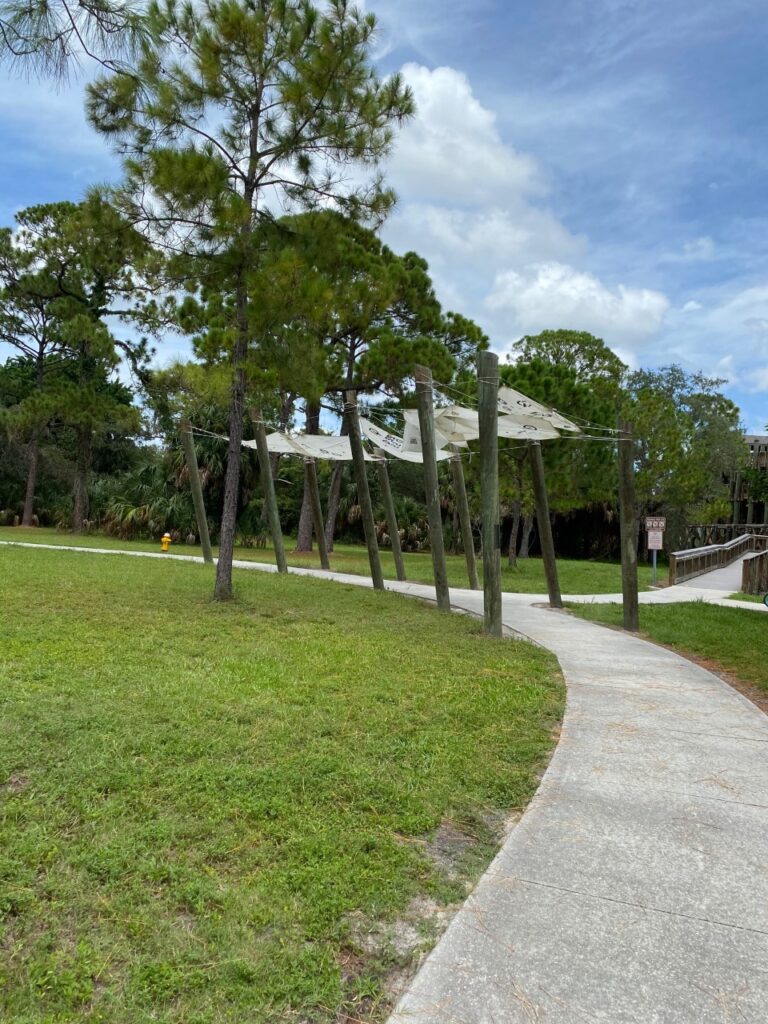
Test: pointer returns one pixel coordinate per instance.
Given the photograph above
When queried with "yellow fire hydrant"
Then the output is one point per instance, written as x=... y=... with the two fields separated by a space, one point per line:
x=165 y=541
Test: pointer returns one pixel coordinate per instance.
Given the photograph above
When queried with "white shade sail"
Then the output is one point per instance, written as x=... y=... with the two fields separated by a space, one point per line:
x=310 y=446
x=394 y=445
x=515 y=403
x=457 y=422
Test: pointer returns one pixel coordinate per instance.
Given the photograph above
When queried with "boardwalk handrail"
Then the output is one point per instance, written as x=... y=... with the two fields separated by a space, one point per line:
x=705 y=534
x=754 y=573
x=685 y=565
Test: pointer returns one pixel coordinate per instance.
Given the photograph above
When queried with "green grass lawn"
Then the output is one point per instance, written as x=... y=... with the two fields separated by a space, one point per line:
x=751 y=598
x=576 y=577
x=735 y=640
x=223 y=814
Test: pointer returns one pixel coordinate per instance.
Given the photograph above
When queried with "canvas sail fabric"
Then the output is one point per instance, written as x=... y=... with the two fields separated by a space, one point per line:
x=444 y=433
x=515 y=403
x=310 y=446
x=394 y=445
x=457 y=422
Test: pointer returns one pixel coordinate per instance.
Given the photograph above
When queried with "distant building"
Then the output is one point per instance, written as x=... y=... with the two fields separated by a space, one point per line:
x=748 y=508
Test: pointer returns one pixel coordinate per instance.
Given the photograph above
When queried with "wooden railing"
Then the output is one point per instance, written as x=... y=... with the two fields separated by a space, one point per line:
x=754 y=574
x=706 y=534
x=685 y=565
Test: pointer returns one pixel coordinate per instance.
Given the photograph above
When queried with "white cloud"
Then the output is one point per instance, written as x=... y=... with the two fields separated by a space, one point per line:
x=552 y=295
x=699 y=249
x=482 y=239
x=691 y=307
x=475 y=207
x=452 y=151
x=695 y=250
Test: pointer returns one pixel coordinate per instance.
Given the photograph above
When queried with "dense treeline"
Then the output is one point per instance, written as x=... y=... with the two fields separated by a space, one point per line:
x=253 y=137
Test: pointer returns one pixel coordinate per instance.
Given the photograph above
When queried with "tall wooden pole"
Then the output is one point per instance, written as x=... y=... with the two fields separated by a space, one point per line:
x=313 y=486
x=193 y=471
x=465 y=520
x=545 y=525
x=737 y=499
x=389 y=508
x=431 y=487
x=363 y=493
x=268 y=490
x=488 y=412
x=628 y=513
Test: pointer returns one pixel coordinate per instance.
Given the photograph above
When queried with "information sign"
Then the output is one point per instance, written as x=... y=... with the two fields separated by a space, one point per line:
x=655 y=540
x=655 y=523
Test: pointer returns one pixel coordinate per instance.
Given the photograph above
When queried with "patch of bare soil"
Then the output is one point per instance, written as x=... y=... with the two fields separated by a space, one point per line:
x=15 y=783
x=399 y=948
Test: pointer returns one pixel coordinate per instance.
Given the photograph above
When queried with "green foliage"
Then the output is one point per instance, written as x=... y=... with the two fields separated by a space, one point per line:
x=757 y=483
x=688 y=443
x=52 y=37
x=579 y=471
x=588 y=357
x=233 y=109
x=378 y=316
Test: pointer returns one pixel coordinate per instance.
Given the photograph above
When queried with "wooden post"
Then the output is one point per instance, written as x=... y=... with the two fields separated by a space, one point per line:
x=196 y=487
x=465 y=520
x=488 y=411
x=363 y=493
x=737 y=499
x=628 y=533
x=268 y=489
x=545 y=525
x=389 y=508
x=431 y=488
x=310 y=475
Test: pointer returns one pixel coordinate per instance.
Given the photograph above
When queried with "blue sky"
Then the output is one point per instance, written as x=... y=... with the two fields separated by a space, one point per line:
x=595 y=164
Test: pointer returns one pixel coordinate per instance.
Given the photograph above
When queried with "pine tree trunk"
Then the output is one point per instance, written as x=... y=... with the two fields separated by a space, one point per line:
x=286 y=411
x=33 y=458
x=33 y=450
x=304 y=535
x=222 y=590
x=525 y=543
x=80 y=489
x=334 y=492
x=334 y=497
x=512 y=550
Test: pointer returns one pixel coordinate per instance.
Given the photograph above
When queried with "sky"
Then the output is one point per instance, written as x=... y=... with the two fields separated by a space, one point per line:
x=598 y=165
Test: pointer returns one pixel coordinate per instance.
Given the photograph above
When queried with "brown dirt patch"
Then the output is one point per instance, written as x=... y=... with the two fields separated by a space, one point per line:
x=15 y=783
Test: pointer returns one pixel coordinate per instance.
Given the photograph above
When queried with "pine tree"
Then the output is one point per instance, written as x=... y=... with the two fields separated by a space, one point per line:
x=66 y=269
x=52 y=36
x=28 y=324
x=236 y=108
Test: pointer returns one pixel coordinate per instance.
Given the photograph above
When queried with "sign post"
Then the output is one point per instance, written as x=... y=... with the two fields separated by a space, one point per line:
x=655 y=527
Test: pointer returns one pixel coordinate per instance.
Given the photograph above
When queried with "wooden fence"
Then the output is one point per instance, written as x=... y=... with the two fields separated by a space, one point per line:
x=706 y=534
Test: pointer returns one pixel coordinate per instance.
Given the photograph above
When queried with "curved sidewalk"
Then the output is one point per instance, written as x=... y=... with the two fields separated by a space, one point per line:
x=635 y=888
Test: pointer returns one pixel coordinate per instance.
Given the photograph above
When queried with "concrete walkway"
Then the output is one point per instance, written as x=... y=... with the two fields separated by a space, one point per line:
x=635 y=887
x=727 y=579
